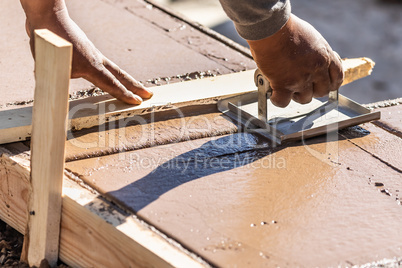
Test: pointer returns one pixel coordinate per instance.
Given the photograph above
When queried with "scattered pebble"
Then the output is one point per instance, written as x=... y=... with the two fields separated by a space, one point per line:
x=158 y=81
x=386 y=191
x=395 y=262
x=11 y=246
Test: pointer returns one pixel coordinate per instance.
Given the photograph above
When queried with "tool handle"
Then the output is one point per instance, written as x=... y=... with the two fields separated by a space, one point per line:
x=264 y=92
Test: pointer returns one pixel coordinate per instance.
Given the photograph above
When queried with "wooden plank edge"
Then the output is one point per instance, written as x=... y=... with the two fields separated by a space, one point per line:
x=94 y=232
x=136 y=243
x=15 y=189
x=356 y=68
x=93 y=111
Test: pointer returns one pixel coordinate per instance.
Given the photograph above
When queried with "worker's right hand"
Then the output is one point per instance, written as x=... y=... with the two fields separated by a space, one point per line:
x=88 y=62
x=298 y=62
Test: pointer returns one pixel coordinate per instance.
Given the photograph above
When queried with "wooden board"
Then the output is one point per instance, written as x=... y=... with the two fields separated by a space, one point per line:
x=52 y=74
x=15 y=188
x=94 y=232
x=15 y=125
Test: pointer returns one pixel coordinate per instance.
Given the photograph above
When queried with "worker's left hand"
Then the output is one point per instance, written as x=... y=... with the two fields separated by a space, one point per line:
x=88 y=61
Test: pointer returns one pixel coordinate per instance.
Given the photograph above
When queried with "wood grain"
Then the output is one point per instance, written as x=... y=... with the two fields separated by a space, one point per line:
x=14 y=190
x=53 y=57
x=356 y=68
x=94 y=232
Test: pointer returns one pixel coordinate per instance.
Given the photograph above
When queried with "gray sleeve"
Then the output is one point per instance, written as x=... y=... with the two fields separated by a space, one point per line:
x=257 y=19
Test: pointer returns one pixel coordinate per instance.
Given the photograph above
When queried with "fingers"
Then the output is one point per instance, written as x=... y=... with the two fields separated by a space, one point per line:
x=336 y=72
x=108 y=82
x=118 y=83
x=322 y=84
x=330 y=78
x=281 y=96
x=305 y=96
x=128 y=81
x=325 y=79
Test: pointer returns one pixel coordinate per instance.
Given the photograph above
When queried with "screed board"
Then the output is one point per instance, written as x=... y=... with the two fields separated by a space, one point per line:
x=15 y=125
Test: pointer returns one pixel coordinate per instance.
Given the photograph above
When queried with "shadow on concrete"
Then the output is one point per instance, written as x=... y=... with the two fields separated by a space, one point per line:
x=213 y=157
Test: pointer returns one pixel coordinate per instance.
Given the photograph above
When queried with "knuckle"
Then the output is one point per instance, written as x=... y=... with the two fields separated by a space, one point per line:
x=341 y=76
x=280 y=104
x=302 y=99
x=320 y=63
x=320 y=94
x=305 y=101
x=280 y=101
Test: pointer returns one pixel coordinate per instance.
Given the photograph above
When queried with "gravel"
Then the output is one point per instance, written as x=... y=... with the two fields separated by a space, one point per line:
x=11 y=246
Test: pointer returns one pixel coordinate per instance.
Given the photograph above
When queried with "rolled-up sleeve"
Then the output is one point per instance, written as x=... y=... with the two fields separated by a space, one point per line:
x=257 y=19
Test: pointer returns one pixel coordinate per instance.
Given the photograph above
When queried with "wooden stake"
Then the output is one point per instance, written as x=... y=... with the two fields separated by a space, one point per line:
x=49 y=123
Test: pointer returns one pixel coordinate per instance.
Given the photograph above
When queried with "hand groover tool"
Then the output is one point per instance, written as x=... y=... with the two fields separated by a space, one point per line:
x=256 y=113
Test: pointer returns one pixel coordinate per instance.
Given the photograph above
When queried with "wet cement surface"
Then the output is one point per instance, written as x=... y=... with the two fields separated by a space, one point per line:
x=144 y=41
x=235 y=200
x=391 y=120
x=149 y=130
x=381 y=144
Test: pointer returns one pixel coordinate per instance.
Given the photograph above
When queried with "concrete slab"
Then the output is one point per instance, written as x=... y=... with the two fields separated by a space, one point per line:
x=149 y=130
x=391 y=119
x=381 y=144
x=312 y=204
x=131 y=39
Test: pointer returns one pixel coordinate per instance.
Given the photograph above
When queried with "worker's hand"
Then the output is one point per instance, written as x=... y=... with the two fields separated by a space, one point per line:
x=298 y=62
x=88 y=61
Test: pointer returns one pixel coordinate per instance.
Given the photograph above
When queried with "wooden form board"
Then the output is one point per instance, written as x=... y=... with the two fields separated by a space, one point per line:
x=94 y=233
x=15 y=125
x=52 y=74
